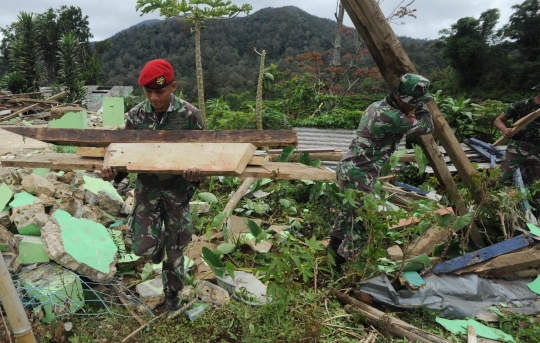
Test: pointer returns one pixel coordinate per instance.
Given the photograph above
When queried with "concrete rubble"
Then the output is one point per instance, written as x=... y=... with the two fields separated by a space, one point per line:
x=151 y=292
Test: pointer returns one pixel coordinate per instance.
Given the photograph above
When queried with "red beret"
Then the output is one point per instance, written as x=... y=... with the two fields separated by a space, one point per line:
x=156 y=74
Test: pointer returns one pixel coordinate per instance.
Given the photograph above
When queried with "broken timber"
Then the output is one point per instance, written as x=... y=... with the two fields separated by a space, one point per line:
x=15 y=114
x=102 y=138
x=520 y=125
x=393 y=61
x=484 y=254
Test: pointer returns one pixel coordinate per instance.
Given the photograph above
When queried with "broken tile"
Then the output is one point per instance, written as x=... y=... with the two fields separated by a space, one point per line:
x=71 y=120
x=81 y=245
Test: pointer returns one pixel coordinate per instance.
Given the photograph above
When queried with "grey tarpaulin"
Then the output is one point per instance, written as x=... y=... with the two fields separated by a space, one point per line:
x=457 y=296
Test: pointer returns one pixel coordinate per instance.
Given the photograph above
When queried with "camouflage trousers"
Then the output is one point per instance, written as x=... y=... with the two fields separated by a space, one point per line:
x=347 y=227
x=168 y=226
x=526 y=156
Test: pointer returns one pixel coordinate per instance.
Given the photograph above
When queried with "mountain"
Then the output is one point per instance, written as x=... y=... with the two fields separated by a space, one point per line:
x=149 y=22
x=228 y=47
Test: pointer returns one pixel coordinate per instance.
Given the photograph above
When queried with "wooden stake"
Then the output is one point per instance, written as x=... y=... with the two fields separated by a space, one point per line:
x=471 y=334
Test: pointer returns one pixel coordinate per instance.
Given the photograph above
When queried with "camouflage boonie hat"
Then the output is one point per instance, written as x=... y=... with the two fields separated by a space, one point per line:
x=537 y=87
x=413 y=89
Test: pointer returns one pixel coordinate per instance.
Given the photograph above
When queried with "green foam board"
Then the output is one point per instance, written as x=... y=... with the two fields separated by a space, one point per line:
x=71 y=120
x=86 y=241
x=113 y=111
x=30 y=230
x=94 y=185
x=21 y=199
x=414 y=279
x=5 y=195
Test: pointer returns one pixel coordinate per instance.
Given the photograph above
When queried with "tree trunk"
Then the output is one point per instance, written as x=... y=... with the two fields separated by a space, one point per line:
x=392 y=60
x=200 y=88
x=258 y=105
x=336 y=55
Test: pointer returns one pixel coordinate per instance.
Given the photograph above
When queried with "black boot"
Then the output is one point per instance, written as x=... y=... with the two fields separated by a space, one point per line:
x=157 y=256
x=173 y=302
x=332 y=248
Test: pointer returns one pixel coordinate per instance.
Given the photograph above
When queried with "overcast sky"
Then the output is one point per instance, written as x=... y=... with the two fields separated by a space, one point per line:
x=108 y=17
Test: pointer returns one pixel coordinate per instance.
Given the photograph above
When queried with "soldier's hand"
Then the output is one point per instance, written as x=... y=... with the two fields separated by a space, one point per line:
x=108 y=174
x=508 y=132
x=192 y=174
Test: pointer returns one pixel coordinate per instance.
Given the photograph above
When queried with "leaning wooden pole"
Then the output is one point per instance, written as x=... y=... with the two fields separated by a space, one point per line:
x=393 y=61
x=14 y=309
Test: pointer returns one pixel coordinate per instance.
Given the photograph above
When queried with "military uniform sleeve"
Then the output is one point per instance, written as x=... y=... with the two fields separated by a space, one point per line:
x=513 y=110
x=421 y=125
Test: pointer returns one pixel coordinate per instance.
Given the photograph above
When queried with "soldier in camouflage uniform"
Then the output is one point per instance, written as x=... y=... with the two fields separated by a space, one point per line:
x=524 y=150
x=381 y=128
x=160 y=221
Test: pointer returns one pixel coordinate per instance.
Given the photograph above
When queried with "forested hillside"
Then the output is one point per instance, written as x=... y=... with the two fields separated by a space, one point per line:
x=227 y=47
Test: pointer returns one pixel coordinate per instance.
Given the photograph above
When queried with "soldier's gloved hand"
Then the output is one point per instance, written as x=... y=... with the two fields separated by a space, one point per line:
x=108 y=174
x=508 y=132
x=192 y=174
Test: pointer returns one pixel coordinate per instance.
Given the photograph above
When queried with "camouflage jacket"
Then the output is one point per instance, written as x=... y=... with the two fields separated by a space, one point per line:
x=519 y=110
x=180 y=115
x=381 y=128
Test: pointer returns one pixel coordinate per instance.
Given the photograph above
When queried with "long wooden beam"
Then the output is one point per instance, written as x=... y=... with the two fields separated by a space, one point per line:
x=393 y=61
x=102 y=138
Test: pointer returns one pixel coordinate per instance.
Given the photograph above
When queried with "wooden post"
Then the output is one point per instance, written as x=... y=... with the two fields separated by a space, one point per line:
x=13 y=307
x=392 y=61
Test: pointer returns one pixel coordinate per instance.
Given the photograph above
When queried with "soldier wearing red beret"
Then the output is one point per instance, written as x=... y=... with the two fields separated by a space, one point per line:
x=160 y=221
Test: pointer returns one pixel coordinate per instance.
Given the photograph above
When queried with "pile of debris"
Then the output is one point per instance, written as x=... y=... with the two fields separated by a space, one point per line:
x=15 y=106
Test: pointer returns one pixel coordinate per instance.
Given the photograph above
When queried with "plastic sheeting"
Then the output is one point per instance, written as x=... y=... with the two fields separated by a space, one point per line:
x=456 y=296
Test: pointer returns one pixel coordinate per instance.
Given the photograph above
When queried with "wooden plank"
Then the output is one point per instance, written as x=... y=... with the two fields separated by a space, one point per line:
x=102 y=138
x=484 y=254
x=258 y=160
x=91 y=152
x=504 y=265
x=55 y=161
x=393 y=61
x=174 y=158
x=413 y=220
x=289 y=171
x=425 y=243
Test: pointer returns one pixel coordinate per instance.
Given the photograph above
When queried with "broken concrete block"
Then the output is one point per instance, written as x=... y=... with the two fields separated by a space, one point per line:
x=212 y=294
x=67 y=191
x=5 y=220
x=113 y=111
x=52 y=176
x=70 y=205
x=128 y=205
x=395 y=253
x=5 y=195
x=90 y=198
x=67 y=178
x=9 y=258
x=45 y=200
x=93 y=213
x=31 y=250
x=151 y=292
x=246 y=288
x=238 y=225
x=131 y=193
x=110 y=203
x=57 y=290
x=36 y=185
x=29 y=219
x=9 y=177
x=59 y=112
x=7 y=241
x=80 y=245
x=95 y=185
x=71 y=120
x=22 y=199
